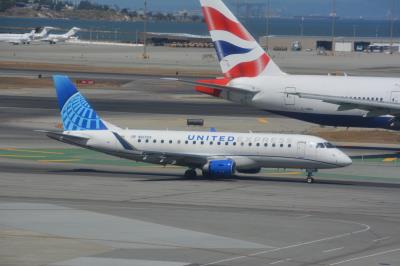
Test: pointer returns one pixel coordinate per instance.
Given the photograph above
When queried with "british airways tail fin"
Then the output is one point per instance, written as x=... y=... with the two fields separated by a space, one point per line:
x=76 y=113
x=238 y=52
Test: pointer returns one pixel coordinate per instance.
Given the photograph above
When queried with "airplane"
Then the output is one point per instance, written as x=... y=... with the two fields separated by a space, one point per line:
x=216 y=154
x=16 y=39
x=55 y=38
x=42 y=33
x=252 y=78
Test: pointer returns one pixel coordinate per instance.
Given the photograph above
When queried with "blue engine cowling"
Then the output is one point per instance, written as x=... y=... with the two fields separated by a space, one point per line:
x=223 y=168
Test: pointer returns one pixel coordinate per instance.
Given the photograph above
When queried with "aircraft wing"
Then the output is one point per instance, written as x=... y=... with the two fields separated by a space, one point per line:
x=214 y=86
x=374 y=108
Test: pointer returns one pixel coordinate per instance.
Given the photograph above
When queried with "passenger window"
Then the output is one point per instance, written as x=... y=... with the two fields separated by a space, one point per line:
x=250 y=144
x=234 y=144
x=179 y=142
x=139 y=140
x=211 y=143
x=274 y=145
x=202 y=143
x=194 y=142
x=226 y=143
x=162 y=141
x=265 y=144
x=219 y=143
x=242 y=144
x=170 y=142
x=258 y=144
x=289 y=145
x=155 y=141
x=281 y=145
x=186 y=142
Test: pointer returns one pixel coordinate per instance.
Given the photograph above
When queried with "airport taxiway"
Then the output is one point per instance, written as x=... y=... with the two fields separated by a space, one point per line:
x=63 y=206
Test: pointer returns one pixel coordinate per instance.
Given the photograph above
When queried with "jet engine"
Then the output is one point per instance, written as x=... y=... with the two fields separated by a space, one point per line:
x=219 y=168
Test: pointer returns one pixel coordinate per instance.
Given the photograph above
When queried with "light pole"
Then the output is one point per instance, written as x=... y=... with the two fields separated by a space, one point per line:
x=268 y=18
x=145 y=55
x=333 y=25
x=392 y=25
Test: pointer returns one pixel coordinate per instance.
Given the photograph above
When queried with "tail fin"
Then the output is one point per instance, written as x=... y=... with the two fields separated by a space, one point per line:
x=72 y=32
x=238 y=52
x=76 y=113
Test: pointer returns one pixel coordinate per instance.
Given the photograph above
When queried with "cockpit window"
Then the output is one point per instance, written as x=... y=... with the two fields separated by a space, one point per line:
x=320 y=146
x=329 y=145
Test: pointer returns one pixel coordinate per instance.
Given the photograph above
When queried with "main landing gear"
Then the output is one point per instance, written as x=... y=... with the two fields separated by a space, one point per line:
x=190 y=173
x=310 y=173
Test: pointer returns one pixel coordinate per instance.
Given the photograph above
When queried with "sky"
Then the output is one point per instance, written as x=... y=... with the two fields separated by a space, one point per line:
x=379 y=9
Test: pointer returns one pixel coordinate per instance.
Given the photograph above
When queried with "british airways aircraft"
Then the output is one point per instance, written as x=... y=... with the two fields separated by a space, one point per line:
x=215 y=154
x=252 y=78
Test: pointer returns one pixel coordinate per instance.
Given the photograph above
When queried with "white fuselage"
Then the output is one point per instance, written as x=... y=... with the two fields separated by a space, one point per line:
x=15 y=38
x=273 y=97
x=249 y=151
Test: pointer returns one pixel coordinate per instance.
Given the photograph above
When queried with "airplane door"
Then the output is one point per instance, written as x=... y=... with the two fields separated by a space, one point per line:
x=395 y=97
x=301 y=149
x=290 y=99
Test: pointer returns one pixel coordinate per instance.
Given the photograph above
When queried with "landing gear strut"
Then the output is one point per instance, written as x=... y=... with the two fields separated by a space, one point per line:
x=190 y=173
x=310 y=173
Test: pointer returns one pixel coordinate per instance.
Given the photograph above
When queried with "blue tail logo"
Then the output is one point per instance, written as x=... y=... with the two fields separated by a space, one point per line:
x=76 y=113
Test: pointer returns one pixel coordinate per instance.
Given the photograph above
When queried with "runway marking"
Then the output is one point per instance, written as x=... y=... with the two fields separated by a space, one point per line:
x=389 y=160
x=32 y=151
x=58 y=161
x=263 y=120
x=367 y=228
x=332 y=250
x=367 y=256
x=21 y=156
x=280 y=261
x=381 y=239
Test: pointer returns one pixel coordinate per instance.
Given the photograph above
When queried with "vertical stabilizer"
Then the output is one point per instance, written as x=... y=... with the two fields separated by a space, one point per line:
x=76 y=113
x=238 y=52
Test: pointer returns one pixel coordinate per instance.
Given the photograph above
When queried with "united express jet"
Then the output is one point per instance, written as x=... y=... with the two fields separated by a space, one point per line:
x=214 y=153
x=252 y=78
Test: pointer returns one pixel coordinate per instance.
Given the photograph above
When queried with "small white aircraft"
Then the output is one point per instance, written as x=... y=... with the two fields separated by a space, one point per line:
x=215 y=154
x=16 y=39
x=42 y=33
x=252 y=78
x=56 y=38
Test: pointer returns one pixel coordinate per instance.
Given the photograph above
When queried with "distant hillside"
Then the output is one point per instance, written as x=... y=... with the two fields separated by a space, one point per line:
x=345 y=8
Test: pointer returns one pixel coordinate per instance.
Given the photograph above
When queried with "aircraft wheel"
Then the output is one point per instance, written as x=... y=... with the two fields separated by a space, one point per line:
x=190 y=173
x=310 y=180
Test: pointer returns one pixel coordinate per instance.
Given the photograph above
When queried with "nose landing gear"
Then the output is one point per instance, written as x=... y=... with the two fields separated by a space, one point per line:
x=310 y=173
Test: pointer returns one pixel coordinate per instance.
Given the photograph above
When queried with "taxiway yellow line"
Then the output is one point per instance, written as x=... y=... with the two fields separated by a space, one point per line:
x=21 y=156
x=58 y=161
x=32 y=151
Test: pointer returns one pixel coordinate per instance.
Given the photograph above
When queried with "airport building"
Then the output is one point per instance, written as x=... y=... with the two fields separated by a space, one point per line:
x=327 y=43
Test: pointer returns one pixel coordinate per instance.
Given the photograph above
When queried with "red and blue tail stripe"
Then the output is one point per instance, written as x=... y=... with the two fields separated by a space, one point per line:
x=239 y=54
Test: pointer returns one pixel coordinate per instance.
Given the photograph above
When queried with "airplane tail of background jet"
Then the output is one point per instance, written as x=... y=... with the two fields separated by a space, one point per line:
x=238 y=52
x=76 y=112
x=72 y=32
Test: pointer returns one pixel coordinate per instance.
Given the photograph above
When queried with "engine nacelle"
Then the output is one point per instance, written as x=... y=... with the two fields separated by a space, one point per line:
x=249 y=171
x=220 y=168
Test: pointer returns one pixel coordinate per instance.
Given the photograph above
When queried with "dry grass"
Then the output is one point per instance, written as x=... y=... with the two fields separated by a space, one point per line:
x=362 y=136
x=22 y=83
x=111 y=70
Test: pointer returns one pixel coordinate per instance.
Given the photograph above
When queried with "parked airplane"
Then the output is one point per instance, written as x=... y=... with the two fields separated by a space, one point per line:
x=56 y=38
x=216 y=154
x=252 y=78
x=42 y=33
x=16 y=39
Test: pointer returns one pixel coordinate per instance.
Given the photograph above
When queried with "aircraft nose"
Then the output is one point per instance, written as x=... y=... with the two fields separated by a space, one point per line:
x=344 y=160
